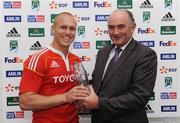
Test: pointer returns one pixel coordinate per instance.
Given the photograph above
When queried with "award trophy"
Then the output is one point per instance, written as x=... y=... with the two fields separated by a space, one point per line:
x=81 y=78
x=80 y=74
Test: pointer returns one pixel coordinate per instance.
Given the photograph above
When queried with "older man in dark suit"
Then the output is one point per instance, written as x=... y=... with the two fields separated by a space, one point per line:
x=121 y=90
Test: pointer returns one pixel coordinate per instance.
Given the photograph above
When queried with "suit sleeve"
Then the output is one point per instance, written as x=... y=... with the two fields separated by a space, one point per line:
x=140 y=89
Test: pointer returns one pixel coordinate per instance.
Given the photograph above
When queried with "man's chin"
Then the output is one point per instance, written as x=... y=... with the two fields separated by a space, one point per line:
x=117 y=41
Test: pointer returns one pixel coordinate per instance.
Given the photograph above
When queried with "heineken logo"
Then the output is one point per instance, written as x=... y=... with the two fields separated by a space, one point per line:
x=102 y=43
x=168 y=30
x=124 y=4
x=12 y=101
x=36 y=32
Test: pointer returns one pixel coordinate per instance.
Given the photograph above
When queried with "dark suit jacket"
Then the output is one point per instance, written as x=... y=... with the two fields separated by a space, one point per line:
x=125 y=91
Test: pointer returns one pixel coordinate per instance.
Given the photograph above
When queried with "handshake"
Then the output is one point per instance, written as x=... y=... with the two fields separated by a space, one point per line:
x=83 y=95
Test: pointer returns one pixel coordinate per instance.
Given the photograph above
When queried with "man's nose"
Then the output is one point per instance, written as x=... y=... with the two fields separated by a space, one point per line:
x=116 y=30
x=67 y=31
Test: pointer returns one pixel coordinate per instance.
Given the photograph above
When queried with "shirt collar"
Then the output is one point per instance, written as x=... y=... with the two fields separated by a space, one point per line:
x=57 y=51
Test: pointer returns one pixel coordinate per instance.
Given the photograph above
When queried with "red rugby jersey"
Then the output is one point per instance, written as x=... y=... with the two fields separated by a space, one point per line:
x=47 y=72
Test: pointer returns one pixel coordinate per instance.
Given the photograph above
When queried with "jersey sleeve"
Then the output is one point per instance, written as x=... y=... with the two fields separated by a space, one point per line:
x=33 y=74
x=30 y=81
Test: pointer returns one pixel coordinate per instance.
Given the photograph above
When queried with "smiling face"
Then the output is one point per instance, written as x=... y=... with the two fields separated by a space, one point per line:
x=64 y=30
x=120 y=27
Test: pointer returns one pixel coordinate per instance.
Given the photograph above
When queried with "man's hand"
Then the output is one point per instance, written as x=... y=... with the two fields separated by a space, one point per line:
x=76 y=93
x=91 y=101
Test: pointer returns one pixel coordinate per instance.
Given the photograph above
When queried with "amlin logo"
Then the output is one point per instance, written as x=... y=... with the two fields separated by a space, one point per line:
x=148 y=43
x=101 y=17
x=168 y=56
x=13 y=73
x=12 y=18
x=168 y=108
x=168 y=30
x=80 y=4
x=36 y=32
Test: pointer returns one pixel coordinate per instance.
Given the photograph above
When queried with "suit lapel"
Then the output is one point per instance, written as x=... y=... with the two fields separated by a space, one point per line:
x=125 y=54
x=103 y=59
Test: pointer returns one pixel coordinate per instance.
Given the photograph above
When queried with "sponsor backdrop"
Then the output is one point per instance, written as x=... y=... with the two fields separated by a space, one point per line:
x=26 y=28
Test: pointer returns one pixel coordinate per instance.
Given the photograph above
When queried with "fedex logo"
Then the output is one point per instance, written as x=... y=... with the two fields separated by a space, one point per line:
x=169 y=43
x=146 y=31
x=104 y=4
x=13 y=60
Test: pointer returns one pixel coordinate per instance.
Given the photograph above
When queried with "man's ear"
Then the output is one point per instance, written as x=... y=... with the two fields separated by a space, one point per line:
x=134 y=25
x=52 y=29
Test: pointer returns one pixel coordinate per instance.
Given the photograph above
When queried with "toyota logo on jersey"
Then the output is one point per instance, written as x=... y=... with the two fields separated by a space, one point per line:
x=64 y=78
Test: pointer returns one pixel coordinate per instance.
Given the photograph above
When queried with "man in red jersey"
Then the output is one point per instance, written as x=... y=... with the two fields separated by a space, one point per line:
x=47 y=85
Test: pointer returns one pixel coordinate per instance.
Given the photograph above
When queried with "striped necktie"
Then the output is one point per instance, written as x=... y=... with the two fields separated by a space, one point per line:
x=113 y=61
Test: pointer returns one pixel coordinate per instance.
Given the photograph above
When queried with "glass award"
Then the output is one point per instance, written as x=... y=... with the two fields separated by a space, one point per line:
x=80 y=73
x=81 y=78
